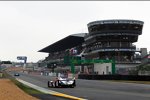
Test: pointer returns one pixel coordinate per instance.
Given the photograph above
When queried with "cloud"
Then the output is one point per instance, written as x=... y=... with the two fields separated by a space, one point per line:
x=28 y=26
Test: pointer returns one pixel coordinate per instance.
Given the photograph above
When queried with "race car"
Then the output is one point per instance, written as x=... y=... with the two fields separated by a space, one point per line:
x=62 y=81
x=16 y=74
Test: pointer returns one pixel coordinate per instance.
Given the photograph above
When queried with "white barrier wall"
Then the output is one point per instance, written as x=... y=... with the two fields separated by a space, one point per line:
x=105 y=68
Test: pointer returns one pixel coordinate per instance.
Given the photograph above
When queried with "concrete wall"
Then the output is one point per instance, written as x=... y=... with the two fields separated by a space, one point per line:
x=6 y=65
x=105 y=68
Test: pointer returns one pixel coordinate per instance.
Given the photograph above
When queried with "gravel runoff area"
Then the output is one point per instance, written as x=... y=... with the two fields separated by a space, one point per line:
x=9 y=91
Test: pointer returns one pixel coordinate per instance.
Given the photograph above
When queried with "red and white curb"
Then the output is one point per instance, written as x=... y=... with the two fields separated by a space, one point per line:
x=47 y=91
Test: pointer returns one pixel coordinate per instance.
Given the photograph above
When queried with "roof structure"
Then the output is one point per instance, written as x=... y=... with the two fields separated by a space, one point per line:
x=115 y=21
x=65 y=43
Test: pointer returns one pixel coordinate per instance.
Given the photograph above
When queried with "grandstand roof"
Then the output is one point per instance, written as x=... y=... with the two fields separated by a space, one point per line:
x=65 y=43
x=115 y=21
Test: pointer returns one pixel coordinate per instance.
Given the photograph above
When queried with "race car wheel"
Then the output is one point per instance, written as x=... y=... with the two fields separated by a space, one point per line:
x=56 y=84
x=48 y=83
x=74 y=84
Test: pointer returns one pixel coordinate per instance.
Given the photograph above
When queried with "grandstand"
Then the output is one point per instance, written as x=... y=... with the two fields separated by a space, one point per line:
x=106 y=40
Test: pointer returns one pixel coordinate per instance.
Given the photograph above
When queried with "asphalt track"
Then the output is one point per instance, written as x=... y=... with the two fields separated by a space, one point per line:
x=95 y=89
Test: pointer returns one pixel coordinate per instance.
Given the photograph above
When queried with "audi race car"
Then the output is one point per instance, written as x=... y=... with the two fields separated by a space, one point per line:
x=62 y=81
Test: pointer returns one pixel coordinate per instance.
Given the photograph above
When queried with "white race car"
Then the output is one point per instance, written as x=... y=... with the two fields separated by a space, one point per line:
x=62 y=81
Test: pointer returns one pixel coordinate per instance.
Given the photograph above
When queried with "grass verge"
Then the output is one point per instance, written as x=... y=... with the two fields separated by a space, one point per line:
x=25 y=88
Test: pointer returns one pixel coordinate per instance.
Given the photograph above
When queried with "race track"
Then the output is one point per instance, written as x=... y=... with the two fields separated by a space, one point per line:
x=95 y=89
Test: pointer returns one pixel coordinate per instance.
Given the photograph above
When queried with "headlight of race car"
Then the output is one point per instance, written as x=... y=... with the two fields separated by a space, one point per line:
x=70 y=82
x=66 y=82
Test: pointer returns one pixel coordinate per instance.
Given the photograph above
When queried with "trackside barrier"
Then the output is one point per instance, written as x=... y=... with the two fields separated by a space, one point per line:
x=114 y=77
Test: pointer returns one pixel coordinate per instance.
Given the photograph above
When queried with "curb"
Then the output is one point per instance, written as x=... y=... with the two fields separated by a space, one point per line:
x=47 y=91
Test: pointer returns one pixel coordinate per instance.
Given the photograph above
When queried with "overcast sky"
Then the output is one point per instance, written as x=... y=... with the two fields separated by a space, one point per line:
x=28 y=26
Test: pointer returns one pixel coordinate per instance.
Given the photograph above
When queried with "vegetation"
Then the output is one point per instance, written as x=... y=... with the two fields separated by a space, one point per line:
x=133 y=72
x=25 y=88
x=143 y=68
x=139 y=68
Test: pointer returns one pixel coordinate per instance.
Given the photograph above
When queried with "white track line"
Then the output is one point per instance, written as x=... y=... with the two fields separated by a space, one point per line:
x=48 y=91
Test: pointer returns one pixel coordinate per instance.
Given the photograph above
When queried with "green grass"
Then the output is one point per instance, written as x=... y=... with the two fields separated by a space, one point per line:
x=25 y=88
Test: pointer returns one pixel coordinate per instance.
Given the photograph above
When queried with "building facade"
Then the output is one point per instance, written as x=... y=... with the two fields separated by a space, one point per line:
x=106 y=40
x=113 y=39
